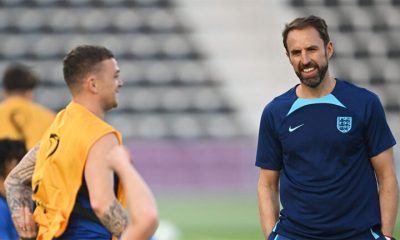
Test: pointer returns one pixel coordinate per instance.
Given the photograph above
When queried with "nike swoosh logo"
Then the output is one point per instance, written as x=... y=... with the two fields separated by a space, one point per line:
x=293 y=129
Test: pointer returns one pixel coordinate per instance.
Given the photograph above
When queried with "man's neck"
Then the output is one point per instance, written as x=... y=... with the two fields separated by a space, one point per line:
x=91 y=105
x=325 y=88
x=28 y=94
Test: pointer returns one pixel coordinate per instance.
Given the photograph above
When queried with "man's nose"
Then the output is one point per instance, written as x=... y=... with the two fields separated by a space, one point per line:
x=305 y=58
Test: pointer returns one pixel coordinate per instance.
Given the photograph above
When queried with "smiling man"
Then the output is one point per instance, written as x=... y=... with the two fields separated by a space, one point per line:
x=324 y=146
x=76 y=193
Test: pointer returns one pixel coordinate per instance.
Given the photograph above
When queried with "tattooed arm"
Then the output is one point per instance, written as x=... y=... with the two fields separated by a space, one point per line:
x=114 y=218
x=100 y=182
x=19 y=194
x=142 y=209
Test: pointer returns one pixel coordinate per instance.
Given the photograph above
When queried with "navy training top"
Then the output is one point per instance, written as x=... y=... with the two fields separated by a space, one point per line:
x=322 y=148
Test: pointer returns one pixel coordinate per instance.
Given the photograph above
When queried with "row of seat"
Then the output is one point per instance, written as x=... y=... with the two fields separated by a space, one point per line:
x=90 y=3
x=134 y=73
x=348 y=18
x=171 y=45
x=377 y=70
x=152 y=99
x=89 y=20
x=139 y=46
x=371 y=43
x=205 y=99
x=372 y=71
x=175 y=46
x=177 y=125
x=335 y=3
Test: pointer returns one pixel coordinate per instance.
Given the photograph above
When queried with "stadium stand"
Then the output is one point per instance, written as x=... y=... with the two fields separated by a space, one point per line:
x=169 y=92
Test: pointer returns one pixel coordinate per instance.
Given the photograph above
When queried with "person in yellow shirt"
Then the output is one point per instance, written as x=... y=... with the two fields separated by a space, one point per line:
x=20 y=117
x=76 y=191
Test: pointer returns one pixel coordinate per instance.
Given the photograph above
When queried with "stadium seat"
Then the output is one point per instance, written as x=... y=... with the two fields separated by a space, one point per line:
x=175 y=99
x=185 y=126
x=94 y=21
x=140 y=99
x=217 y=126
x=46 y=47
x=151 y=127
x=192 y=73
x=5 y=20
x=161 y=20
x=143 y=46
x=175 y=46
x=159 y=72
x=123 y=122
x=13 y=47
x=391 y=71
x=131 y=72
x=30 y=21
x=56 y=98
x=208 y=99
x=63 y=21
x=127 y=20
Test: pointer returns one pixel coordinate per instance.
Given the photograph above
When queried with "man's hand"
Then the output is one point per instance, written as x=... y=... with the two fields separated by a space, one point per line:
x=118 y=157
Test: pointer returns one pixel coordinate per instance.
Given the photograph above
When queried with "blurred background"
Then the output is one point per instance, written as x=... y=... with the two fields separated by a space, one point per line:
x=197 y=74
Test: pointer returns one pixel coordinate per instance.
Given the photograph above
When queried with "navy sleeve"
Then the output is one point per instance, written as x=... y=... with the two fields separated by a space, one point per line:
x=269 y=150
x=7 y=229
x=378 y=134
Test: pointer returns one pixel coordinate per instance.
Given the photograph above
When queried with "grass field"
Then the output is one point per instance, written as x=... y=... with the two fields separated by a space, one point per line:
x=215 y=216
x=212 y=216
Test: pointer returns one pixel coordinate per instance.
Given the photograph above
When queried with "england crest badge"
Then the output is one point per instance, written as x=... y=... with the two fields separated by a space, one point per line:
x=343 y=124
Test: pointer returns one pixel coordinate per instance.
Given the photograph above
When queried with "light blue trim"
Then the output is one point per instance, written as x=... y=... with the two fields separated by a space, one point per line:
x=276 y=237
x=376 y=236
x=328 y=99
x=276 y=224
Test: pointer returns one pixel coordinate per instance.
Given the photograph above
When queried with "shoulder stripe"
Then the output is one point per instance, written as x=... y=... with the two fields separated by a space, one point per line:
x=301 y=102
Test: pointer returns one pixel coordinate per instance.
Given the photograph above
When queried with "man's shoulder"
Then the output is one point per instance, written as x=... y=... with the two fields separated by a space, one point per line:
x=25 y=105
x=354 y=96
x=355 y=90
x=282 y=101
x=42 y=109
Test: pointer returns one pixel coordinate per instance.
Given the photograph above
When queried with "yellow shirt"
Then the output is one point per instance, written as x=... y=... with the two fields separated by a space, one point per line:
x=60 y=164
x=22 y=119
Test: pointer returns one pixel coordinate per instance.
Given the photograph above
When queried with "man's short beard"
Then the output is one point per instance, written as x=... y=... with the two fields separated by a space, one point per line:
x=314 y=82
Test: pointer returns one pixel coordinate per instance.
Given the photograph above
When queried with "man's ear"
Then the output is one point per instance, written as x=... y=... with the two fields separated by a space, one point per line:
x=90 y=83
x=329 y=49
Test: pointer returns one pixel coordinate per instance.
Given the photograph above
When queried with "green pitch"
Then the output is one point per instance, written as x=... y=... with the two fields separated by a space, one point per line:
x=212 y=216
x=397 y=229
x=215 y=216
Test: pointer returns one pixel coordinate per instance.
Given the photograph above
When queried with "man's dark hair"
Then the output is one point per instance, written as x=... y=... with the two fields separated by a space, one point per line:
x=315 y=22
x=82 y=60
x=18 y=77
x=9 y=150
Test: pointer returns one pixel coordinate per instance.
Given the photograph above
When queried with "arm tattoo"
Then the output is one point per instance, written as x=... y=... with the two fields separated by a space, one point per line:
x=115 y=218
x=18 y=182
